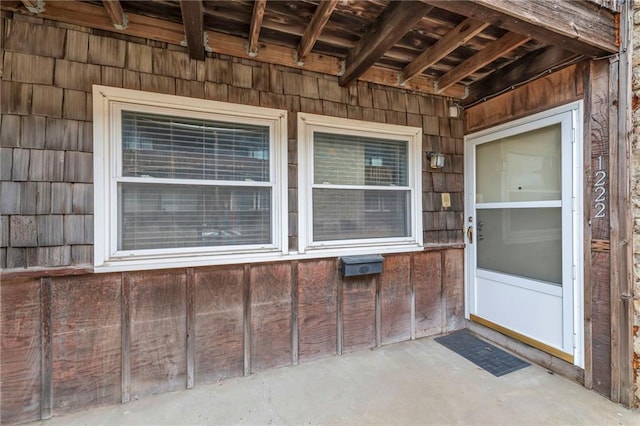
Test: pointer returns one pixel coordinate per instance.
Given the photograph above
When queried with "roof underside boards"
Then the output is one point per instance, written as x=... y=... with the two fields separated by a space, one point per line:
x=463 y=49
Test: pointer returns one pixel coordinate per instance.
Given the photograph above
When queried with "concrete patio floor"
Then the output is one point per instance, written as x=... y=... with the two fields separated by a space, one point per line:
x=418 y=382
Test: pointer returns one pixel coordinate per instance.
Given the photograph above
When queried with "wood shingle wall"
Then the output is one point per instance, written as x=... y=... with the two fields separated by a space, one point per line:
x=73 y=339
x=48 y=70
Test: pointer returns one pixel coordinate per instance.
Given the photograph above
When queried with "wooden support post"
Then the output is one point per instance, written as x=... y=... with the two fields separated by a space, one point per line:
x=587 y=237
x=621 y=218
x=46 y=299
x=614 y=180
x=191 y=327
x=126 y=338
x=625 y=129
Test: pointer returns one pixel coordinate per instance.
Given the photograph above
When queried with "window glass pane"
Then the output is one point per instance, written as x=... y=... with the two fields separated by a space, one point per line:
x=161 y=146
x=524 y=167
x=342 y=214
x=156 y=216
x=523 y=242
x=355 y=160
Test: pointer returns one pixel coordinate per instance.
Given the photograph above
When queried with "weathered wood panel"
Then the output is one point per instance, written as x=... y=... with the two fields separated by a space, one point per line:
x=317 y=309
x=453 y=289
x=601 y=323
x=598 y=172
x=358 y=313
x=395 y=299
x=599 y=141
x=20 y=363
x=219 y=324
x=270 y=316
x=427 y=285
x=86 y=318
x=158 y=332
x=552 y=90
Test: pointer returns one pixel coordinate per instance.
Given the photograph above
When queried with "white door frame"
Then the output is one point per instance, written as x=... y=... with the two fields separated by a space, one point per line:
x=577 y=173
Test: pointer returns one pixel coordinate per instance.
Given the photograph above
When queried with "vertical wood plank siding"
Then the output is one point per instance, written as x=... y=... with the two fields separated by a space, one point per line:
x=20 y=375
x=90 y=316
x=115 y=337
x=219 y=333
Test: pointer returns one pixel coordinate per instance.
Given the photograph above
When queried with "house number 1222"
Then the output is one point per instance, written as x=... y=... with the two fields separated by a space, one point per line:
x=600 y=190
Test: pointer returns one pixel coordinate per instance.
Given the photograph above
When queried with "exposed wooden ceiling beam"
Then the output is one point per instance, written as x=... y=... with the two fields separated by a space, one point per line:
x=256 y=24
x=493 y=51
x=34 y=6
x=392 y=24
x=526 y=68
x=577 y=26
x=193 y=22
x=92 y=16
x=462 y=33
x=115 y=12
x=313 y=30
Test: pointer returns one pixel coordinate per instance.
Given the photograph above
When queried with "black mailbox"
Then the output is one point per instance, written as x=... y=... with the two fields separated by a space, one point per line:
x=361 y=265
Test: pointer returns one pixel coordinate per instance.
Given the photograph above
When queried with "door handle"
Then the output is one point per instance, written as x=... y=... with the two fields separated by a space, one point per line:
x=470 y=234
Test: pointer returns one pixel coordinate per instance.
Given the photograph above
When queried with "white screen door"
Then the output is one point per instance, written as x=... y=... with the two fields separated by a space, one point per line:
x=522 y=230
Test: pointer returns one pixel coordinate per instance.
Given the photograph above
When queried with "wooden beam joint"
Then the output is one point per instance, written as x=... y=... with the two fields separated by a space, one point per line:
x=394 y=22
x=193 y=22
x=256 y=23
x=314 y=29
x=34 y=6
x=116 y=13
x=461 y=34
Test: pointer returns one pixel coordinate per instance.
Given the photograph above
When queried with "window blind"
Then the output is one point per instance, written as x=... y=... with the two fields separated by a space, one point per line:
x=359 y=212
x=172 y=214
x=154 y=216
x=182 y=148
x=357 y=160
x=344 y=214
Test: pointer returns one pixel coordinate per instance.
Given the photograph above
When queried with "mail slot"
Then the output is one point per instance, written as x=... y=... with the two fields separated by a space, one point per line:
x=361 y=265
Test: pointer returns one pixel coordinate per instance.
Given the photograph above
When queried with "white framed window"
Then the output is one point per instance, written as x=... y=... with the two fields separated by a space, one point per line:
x=181 y=181
x=359 y=186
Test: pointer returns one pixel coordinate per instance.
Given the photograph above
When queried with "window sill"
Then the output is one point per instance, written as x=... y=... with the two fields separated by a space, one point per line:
x=214 y=260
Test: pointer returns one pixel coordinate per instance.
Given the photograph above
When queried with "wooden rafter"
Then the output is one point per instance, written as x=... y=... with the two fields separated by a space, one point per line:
x=526 y=68
x=312 y=32
x=92 y=16
x=193 y=22
x=34 y=6
x=116 y=13
x=394 y=22
x=576 y=26
x=462 y=33
x=256 y=24
x=498 y=48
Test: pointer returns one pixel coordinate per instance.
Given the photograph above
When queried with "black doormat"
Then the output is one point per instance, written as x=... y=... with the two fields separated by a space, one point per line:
x=483 y=354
